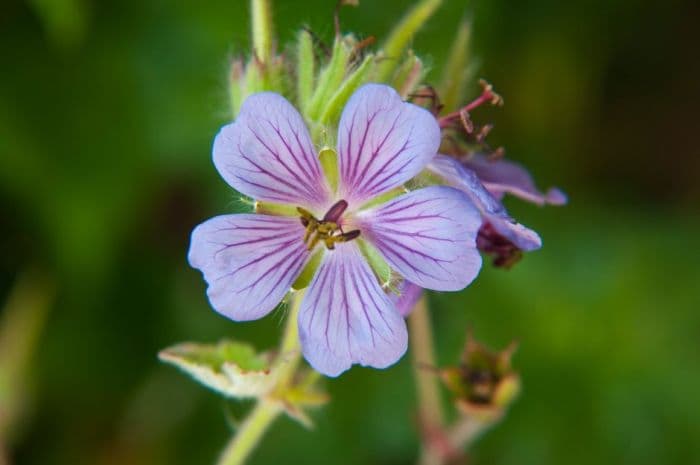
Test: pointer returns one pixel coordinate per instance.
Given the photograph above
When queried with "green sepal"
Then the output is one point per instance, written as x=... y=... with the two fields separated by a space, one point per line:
x=261 y=20
x=455 y=73
x=402 y=34
x=383 y=198
x=309 y=271
x=330 y=79
x=305 y=68
x=331 y=112
x=329 y=162
x=236 y=85
x=304 y=393
x=231 y=368
x=275 y=209
x=409 y=75
x=380 y=267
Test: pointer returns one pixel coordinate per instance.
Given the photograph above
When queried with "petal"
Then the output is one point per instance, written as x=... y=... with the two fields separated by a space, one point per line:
x=382 y=142
x=347 y=318
x=409 y=294
x=267 y=154
x=428 y=236
x=249 y=261
x=521 y=236
x=503 y=176
x=491 y=208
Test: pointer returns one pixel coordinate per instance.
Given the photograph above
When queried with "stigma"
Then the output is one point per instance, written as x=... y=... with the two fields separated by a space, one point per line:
x=327 y=230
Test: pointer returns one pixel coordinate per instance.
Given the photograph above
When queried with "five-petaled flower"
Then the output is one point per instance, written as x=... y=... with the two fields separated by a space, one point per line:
x=251 y=261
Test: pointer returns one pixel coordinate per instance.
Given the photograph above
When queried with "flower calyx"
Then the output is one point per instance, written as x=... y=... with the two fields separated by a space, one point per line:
x=484 y=383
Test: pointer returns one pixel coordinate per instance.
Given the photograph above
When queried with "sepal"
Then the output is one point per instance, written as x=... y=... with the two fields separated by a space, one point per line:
x=484 y=384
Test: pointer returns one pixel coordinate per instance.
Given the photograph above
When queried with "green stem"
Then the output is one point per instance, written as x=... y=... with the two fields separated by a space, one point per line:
x=430 y=411
x=290 y=348
x=267 y=410
x=250 y=433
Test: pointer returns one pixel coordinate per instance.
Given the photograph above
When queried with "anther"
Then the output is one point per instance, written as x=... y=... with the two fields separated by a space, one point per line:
x=336 y=211
x=328 y=230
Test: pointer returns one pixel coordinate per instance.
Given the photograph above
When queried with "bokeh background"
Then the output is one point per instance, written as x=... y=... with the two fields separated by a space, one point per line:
x=107 y=113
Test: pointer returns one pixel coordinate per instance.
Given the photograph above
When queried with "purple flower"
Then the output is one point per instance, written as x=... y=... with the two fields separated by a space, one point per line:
x=491 y=208
x=503 y=176
x=250 y=261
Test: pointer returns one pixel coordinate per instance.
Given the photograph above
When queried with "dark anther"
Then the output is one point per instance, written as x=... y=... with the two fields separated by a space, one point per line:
x=336 y=211
x=350 y=235
x=327 y=231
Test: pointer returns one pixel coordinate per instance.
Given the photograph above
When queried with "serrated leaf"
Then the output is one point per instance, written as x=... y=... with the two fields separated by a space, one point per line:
x=232 y=368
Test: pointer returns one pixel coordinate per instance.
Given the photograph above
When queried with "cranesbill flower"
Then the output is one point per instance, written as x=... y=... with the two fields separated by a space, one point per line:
x=503 y=176
x=494 y=214
x=328 y=220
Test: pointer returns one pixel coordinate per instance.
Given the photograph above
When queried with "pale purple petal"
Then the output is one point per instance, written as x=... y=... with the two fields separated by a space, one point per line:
x=249 y=261
x=267 y=154
x=522 y=237
x=428 y=236
x=491 y=208
x=504 y=176
x=347 y=318
x=407 y=297
x=382 y=143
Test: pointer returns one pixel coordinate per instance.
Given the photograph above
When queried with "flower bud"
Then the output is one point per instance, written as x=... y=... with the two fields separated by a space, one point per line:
x=484 y=384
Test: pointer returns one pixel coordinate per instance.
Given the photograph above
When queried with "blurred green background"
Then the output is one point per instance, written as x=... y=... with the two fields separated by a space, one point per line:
x=107 y=113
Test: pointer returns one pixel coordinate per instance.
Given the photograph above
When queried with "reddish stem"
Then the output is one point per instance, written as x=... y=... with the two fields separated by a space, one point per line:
x=487 y=96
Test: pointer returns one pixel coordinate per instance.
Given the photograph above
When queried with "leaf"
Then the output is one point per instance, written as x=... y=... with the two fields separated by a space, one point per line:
x=232 y=368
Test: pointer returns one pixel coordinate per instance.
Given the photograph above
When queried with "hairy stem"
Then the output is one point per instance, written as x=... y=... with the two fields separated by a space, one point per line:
x=250 y=433
x=266 y=411
x=430 y=413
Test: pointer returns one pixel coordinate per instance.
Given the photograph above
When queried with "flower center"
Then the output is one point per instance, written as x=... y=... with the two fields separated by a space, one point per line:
x=327 y=230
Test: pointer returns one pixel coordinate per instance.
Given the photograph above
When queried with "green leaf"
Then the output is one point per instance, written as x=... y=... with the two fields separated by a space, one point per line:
x=22 y=321
x=232 y=368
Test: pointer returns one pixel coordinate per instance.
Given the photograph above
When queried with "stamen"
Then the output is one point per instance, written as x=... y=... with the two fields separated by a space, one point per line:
x=348 y=236
x=336 y=211
x=488 y=96
x=327 y=230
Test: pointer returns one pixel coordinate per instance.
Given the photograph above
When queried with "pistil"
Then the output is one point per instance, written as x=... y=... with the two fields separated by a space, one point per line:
x=328 y=230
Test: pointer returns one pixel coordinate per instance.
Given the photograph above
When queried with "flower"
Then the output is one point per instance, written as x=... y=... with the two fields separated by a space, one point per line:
x=484 y=384
x=485 y=182
x=500 y=176
x=331 y=221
